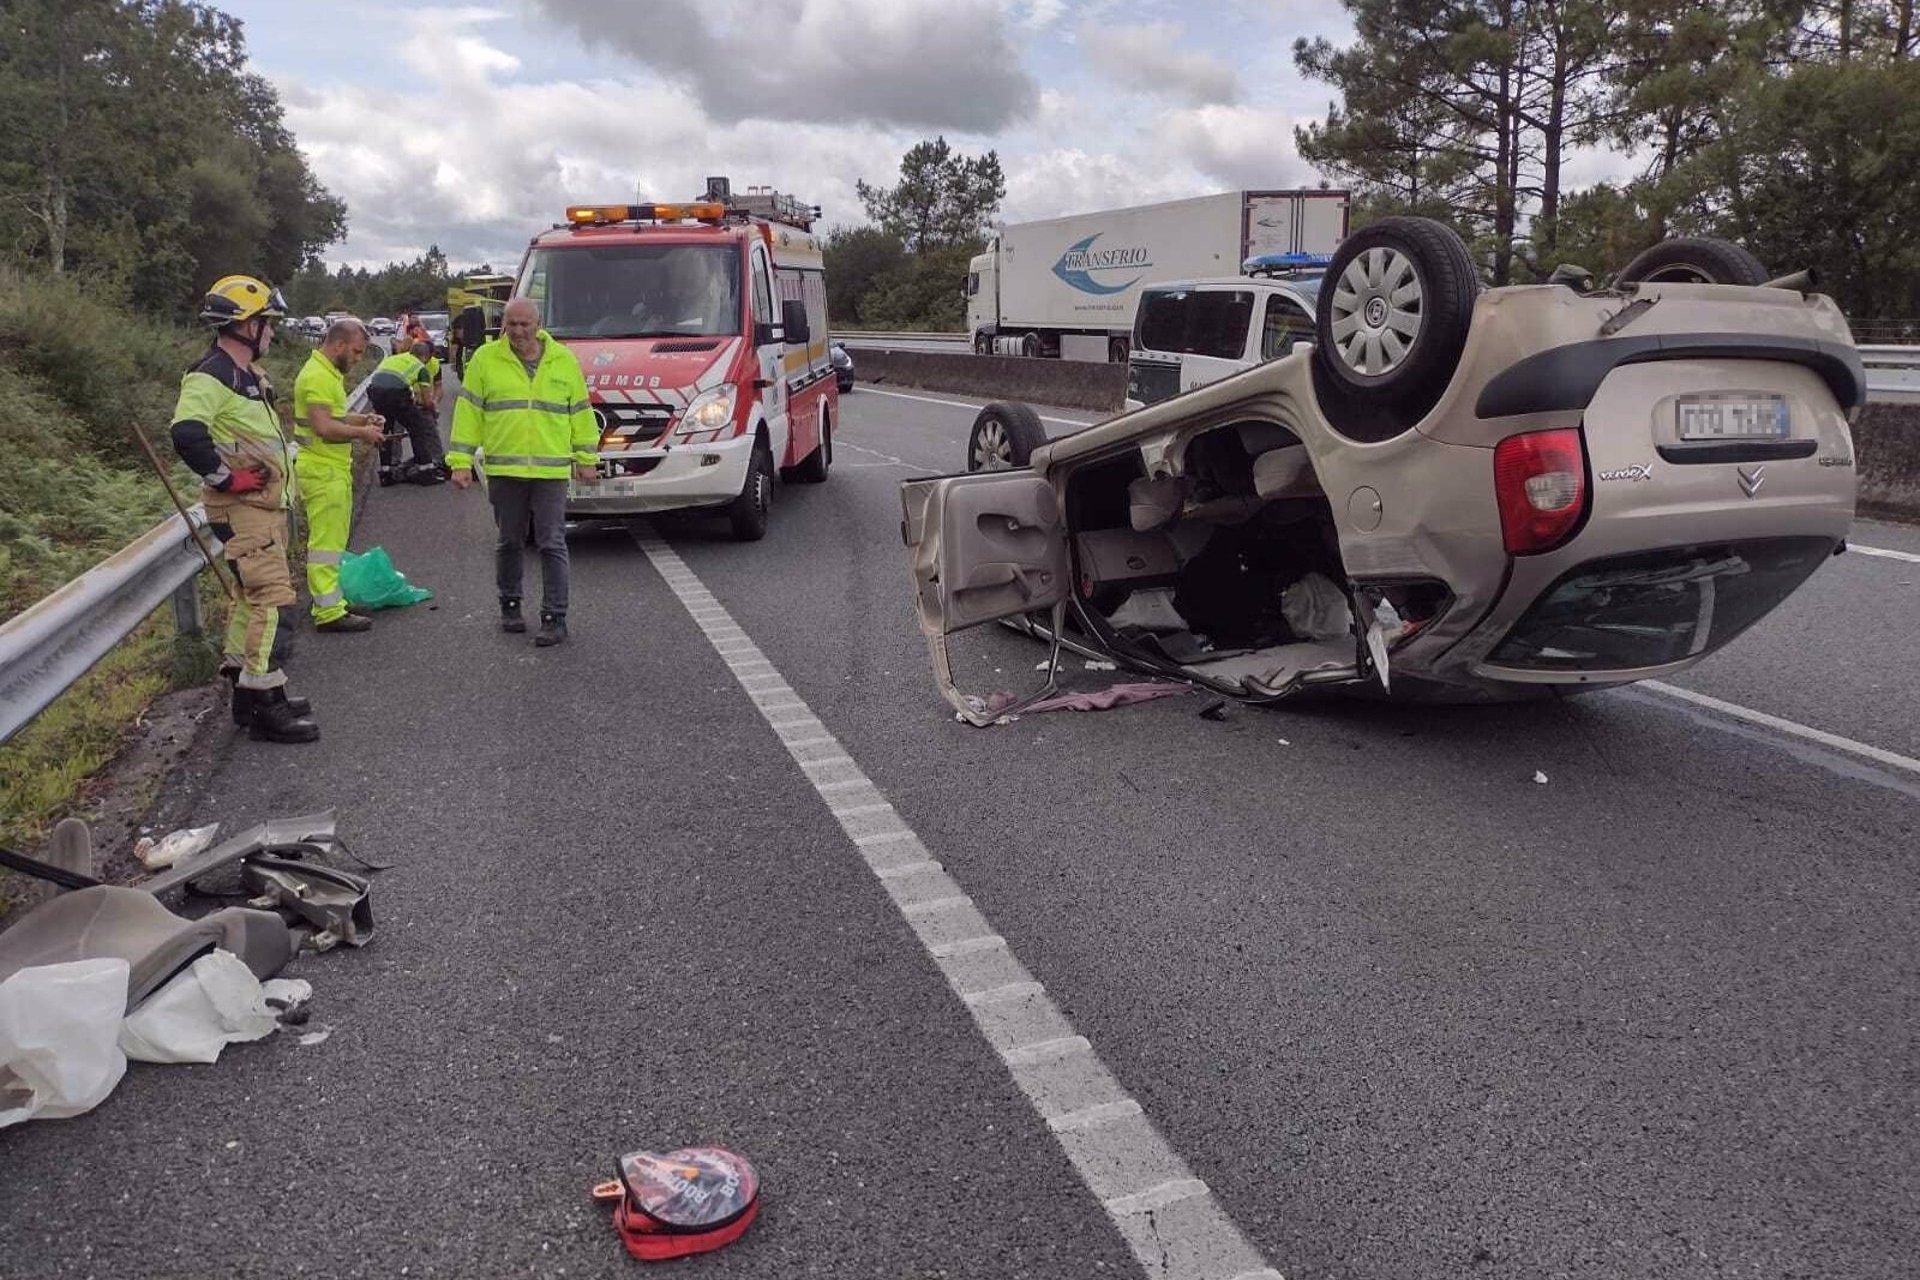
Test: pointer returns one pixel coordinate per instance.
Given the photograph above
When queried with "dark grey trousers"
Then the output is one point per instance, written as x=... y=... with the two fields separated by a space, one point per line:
x=544 y=502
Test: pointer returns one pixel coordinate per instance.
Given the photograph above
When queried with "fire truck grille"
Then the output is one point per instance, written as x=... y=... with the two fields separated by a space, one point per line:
x=641 y=424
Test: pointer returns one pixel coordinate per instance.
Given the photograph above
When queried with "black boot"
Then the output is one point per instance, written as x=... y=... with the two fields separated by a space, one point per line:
x=553 y=630
x=272 y=718
x=510 y=619
x=243 y=707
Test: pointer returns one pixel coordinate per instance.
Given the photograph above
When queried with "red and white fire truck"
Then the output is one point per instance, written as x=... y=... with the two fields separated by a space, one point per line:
x=702 y=330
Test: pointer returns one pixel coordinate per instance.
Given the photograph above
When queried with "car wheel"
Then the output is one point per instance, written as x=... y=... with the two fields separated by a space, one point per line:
x=748 y=512
x=1004 y=436
x=1688 y=260
x=1391 y=324
x=1030 y=346
x=1118 y=349
x=813 y=469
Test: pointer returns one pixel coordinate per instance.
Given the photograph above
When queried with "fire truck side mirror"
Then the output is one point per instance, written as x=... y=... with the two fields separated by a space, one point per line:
x=793 y=318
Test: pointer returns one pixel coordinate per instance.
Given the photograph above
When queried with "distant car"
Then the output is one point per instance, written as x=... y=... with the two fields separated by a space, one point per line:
x=311 y=326
x=1508 y=493
x=380 y=326
x=435 y=323
x=842 y=366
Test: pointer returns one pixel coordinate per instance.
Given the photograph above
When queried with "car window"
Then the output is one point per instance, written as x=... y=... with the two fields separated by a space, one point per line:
x=1199 y=322
x=1286 y=323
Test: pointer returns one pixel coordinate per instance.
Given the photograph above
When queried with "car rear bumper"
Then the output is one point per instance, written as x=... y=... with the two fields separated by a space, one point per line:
x=684 y=476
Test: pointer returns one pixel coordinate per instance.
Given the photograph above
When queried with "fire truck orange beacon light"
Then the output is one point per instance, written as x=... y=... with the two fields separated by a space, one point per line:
x=582 y=214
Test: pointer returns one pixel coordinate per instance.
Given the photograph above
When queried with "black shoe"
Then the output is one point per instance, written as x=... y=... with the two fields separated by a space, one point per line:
x=345 y=624
x=553 y=630
x=243 y=707
x=510 y=619
x=386 y=477
x=272 y=718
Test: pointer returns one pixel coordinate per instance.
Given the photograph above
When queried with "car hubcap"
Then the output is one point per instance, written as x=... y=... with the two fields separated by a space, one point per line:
x=1378 y=309
x=991 y=449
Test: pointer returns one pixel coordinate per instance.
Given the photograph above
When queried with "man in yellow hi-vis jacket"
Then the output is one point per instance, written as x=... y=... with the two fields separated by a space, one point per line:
x=326 y=432
x=523 y=408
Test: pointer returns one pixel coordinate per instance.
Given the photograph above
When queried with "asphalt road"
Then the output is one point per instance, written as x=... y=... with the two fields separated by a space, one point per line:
x=1405 y=1011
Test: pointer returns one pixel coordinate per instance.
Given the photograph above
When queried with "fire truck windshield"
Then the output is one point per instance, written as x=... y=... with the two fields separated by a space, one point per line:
x=635 y=290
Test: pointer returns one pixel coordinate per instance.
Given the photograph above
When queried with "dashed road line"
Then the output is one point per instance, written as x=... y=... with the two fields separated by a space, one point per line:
x=1168 y=1217
x=1885 y=554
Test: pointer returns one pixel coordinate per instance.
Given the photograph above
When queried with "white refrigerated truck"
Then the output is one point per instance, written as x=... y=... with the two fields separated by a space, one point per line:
x=1068 y=287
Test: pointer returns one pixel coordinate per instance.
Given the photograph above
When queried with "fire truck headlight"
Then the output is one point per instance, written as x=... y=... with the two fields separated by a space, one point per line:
x=711 y=410
x=710 y=415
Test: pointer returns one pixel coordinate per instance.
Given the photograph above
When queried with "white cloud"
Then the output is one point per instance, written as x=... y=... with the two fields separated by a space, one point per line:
x=1147 y=58
x=881 y=62
x=1238 y=146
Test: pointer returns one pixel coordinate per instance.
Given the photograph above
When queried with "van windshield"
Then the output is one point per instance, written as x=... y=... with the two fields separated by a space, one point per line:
x=1197 y=322
x=635 y=290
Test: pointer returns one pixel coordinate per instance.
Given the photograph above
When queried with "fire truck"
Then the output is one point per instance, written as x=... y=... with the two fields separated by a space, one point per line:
x=702 y=330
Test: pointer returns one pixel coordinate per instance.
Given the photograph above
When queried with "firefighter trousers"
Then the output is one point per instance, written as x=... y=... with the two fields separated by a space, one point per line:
x=260 y=632
x=326 y=494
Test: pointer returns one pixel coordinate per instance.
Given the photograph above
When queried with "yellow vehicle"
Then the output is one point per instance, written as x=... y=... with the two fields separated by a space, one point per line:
x=485 y=296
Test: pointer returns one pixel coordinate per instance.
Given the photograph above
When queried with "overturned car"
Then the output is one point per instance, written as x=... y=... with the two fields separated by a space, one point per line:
x=1452 y=494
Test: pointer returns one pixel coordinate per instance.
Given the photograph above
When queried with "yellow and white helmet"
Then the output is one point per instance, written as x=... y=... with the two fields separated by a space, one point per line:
x=236 y=298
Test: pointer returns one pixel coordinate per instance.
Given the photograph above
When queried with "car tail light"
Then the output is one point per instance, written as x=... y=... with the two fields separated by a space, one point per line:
x=1540 y=480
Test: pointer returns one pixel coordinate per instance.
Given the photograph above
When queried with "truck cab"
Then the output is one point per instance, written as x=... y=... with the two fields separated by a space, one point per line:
x=1188 y=333
x=701 y=329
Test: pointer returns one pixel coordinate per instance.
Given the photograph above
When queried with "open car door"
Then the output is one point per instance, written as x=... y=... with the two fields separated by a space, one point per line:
x=985 y=546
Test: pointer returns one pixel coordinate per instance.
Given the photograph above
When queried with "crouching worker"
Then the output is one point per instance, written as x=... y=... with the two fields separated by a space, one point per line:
x=399 y=392
x=225 y=428
x=326 y=432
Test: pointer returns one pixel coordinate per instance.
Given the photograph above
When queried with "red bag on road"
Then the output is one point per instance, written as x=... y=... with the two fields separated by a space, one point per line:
x=693 y=1200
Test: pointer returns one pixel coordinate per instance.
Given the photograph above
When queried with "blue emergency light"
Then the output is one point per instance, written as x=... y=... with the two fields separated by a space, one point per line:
x=1274 y=263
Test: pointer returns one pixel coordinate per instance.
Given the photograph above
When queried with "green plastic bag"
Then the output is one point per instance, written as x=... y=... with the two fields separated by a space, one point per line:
x=371 y=582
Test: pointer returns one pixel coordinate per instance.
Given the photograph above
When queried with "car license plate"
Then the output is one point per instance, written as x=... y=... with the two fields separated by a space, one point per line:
x=1719 y=417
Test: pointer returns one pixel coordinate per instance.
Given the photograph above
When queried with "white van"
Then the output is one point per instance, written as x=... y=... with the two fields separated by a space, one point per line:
x=1188 y=333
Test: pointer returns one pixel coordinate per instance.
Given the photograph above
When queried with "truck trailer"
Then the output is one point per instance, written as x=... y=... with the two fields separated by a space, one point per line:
x=1068 y=288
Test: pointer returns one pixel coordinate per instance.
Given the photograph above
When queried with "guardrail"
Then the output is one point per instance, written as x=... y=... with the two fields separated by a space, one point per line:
x=53 y=643
x=1893 y=374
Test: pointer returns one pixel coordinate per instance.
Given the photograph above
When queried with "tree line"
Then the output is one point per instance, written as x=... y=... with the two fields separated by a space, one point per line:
x=140 y=152
x=1789 y=126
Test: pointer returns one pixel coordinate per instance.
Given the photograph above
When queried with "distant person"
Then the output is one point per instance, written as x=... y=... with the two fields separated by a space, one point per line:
x=399 y=391
x=524 y=410
x=327 y=432
x=225 y=428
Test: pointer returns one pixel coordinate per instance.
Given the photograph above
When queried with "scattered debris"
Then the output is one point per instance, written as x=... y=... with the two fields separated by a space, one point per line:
x=1215 y=710
x=1540 y=777
x=1118 y=695
x=317 y=1036
x=156 y=855
x=1283 y=742
x=678 y=1203
x=1095 y=664
x=216 y=1002
x=59 y=1038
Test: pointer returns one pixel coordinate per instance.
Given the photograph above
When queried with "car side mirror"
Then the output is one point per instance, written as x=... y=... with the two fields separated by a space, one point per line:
x=793 y=318
x=765 y=333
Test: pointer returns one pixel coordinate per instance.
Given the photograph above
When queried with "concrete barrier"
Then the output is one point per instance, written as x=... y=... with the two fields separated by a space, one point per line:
x=1886 y=439
x=1886 y=446
x=1066 y=384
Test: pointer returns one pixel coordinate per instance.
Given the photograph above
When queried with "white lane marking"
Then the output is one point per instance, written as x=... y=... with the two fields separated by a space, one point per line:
x=1821 y=736
x=1882 y=552
x=961 y=404
x=1168 y=1217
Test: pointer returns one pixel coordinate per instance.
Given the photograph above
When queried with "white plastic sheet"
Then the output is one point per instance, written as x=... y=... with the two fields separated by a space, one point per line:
x=1316 y=609
x=174 y=847
x=59 y=1039
x=216 y=1002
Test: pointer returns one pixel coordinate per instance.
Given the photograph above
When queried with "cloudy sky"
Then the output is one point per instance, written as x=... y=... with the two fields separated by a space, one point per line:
x=471 y=126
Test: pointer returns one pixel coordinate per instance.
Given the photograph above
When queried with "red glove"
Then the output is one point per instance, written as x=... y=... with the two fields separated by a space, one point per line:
x=246 y=481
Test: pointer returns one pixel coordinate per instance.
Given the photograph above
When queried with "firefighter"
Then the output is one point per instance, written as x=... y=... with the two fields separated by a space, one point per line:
x=398 y=391
x=524 y=409
x=225 y=428
x=326 y=433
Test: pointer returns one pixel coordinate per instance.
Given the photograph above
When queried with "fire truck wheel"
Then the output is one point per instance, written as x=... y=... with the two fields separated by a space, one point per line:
x=748 y=512
x=813 y=468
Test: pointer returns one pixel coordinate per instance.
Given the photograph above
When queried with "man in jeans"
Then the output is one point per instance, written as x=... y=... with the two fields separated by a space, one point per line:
x=523 y=408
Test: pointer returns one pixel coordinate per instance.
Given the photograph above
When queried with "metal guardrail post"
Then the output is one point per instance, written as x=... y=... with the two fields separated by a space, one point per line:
x=187 y=617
